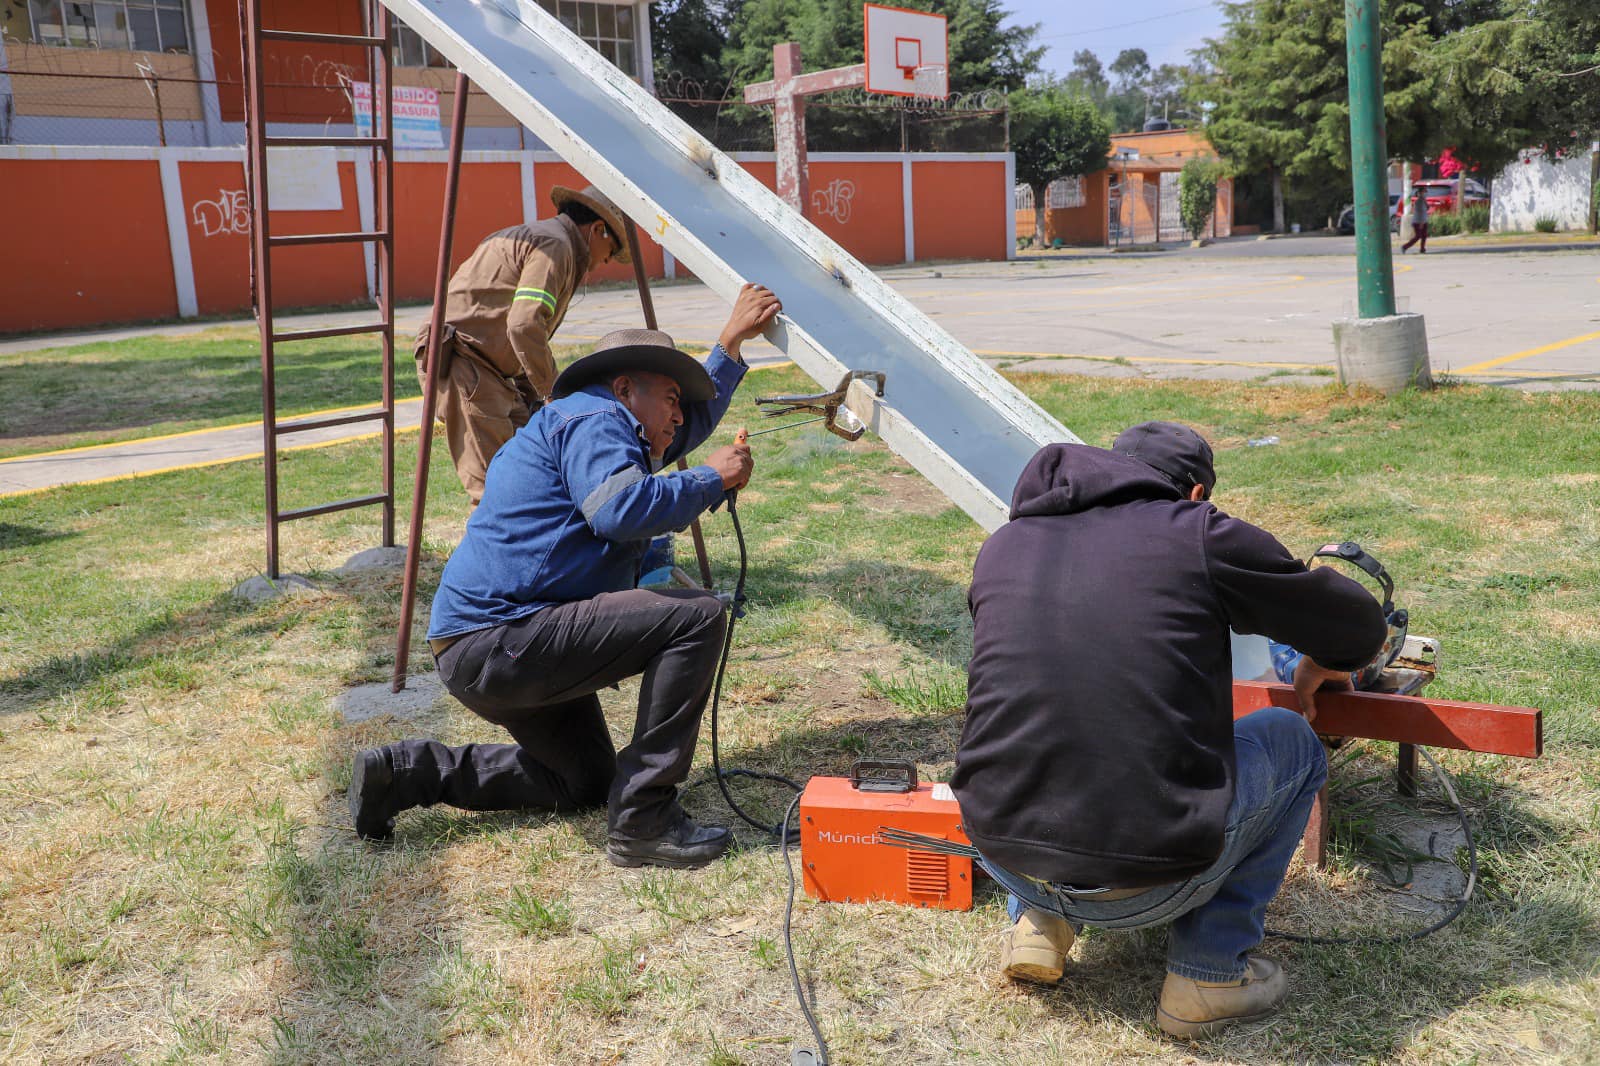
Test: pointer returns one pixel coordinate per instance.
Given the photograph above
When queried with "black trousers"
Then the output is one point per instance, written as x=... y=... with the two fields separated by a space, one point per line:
x=537 y=677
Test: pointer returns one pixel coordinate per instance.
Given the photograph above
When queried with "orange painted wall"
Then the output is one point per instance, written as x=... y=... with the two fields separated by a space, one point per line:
x=1086 y=225
x=861 y=206
x=289 y=69
x=490 y=198
x=959 y=209
x=547 y=176
x=301 y=277
x=764 y=172
x=86 y=243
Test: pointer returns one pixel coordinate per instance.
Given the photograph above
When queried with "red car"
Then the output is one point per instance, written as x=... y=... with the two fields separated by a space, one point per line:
x=1441 y=195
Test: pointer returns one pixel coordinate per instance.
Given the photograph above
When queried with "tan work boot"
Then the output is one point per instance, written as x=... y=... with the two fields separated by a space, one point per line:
x=1036 y=948
x=1193 y=1009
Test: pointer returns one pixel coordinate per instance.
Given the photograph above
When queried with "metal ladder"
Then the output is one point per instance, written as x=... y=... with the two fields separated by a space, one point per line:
x=264 y=241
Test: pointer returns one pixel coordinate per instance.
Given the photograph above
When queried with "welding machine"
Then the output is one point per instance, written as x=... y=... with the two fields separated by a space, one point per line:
x=842 y=852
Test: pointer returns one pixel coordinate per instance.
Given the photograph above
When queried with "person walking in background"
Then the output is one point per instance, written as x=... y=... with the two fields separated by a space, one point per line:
x=1419 y=220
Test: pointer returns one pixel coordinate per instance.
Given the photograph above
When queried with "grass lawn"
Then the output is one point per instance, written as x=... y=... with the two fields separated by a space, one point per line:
x=149 y=386
x=178 y=880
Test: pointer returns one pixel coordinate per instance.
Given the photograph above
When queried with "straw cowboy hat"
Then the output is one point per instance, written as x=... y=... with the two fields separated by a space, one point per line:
x=637 y=349
x=600 y=204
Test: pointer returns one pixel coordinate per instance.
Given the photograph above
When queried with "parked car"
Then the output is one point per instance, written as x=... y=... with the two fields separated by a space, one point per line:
x=1441 y=194
x=1347 y=218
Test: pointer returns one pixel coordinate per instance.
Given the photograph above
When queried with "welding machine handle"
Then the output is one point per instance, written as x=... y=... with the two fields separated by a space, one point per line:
x=883 y=775
x=1353 y=553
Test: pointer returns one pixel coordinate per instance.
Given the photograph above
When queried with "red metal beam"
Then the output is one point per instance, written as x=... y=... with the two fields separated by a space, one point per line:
x=1478 y=727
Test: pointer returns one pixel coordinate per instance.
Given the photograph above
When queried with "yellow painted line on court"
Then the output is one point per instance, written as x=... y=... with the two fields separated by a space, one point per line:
x=1147 y=359
x=195 y=466
x=192 y=433
x=1489 y=364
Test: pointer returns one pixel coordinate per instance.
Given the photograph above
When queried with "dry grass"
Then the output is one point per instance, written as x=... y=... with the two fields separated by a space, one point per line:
x=178 y=881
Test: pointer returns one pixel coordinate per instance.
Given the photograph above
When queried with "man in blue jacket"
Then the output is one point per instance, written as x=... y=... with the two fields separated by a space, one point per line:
x=537 y=608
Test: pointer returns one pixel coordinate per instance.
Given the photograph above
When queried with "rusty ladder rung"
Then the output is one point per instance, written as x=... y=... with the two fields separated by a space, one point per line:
x=330 y=508
x=324 y=38
x=305 y=425
x=293 y=239
x=325 y=142
x=330 y=331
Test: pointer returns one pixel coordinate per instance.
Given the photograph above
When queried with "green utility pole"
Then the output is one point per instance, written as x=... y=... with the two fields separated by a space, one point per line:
x=1369 y=159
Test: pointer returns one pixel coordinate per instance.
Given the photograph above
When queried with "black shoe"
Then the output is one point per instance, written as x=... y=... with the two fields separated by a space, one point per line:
x=684 y=846
x=371 y=809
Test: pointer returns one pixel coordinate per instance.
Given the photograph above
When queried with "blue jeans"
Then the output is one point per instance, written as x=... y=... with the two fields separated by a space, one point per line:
x=1218 y=915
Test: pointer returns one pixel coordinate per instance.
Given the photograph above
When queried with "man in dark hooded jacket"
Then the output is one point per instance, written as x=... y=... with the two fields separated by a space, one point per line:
x=1100 y=773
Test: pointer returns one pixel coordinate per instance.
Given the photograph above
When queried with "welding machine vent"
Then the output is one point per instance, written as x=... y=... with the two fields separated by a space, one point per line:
x=927 y=874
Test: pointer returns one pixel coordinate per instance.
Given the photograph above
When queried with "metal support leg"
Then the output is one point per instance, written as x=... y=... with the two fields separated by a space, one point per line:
x=1406 y=770
x=441 y=281
x=1315 y=841
x=649 y=306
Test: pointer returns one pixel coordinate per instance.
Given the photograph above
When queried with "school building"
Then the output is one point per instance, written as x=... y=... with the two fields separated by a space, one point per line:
x=120 y=131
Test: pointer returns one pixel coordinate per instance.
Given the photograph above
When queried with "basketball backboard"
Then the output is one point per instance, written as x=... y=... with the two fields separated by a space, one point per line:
x=908 y=52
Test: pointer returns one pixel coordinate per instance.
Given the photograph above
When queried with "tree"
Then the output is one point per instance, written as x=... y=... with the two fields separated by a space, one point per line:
x=1055 y=134
x=1197 y=193
x=1088 y=77
x=1276 y=93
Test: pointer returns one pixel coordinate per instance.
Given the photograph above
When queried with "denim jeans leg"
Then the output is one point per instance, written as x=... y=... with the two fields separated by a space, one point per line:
x=1281 y=768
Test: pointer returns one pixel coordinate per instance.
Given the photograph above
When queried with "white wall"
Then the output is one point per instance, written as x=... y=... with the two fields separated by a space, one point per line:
x=1539 y=186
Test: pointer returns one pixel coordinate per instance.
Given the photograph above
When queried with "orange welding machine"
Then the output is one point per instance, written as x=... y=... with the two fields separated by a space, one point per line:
x=842 y=850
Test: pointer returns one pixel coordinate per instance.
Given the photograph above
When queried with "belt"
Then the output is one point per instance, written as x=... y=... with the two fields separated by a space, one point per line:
x=439 y=644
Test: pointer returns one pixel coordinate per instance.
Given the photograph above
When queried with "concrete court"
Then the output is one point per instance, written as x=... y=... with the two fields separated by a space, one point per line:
x=1531 y=320
x=1527 y=320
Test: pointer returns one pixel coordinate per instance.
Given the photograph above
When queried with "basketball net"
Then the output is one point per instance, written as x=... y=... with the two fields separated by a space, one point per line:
x=928 y=81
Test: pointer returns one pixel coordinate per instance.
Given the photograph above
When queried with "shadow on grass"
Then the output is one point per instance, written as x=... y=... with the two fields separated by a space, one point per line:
x=218 y=379
x=15 y=536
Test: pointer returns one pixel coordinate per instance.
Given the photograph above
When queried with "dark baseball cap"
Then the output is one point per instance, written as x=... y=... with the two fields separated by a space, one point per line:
x=1176 y=451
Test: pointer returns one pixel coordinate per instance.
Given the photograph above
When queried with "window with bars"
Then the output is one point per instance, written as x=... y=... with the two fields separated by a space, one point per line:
x=134 y=25
x=410 y=50
x=1065 y=193
x=610 y=28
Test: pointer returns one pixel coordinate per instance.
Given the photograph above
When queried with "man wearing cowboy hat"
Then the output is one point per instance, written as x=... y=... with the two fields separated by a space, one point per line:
x=537 y=610
x=504 y=304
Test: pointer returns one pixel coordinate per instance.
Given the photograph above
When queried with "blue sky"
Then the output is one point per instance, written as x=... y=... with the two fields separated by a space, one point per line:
x=1167 y=29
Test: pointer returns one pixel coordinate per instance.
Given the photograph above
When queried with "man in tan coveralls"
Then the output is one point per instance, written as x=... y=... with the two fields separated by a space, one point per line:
x=504 y=304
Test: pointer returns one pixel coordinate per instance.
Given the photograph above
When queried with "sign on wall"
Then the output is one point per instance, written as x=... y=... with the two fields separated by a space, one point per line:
x=416 y=114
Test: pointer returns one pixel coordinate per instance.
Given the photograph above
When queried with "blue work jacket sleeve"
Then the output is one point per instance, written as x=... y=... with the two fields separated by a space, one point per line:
x=604 y=468
x=700 y=419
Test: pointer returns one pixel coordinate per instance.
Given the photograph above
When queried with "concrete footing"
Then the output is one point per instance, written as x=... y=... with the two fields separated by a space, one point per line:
x=374 y=559
x=365 y=702
x=261 y=588
x=1388 y=354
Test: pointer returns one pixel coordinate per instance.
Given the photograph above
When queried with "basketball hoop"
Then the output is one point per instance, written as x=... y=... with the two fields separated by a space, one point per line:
x=907 y=52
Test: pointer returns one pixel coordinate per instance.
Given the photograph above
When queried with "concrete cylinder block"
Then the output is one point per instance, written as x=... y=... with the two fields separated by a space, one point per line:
x=1388 y=354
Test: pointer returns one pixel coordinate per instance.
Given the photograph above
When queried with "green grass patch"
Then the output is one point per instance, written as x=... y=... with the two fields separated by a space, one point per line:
x=178 y=880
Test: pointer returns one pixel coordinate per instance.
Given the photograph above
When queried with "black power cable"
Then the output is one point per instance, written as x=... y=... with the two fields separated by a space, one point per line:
x=780 y=832
x=735 y=612
x=1461 y=904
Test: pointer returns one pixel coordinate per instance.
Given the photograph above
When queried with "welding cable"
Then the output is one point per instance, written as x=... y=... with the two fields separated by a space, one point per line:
x=1461 y=904
x=780 y=830
x=788 y=943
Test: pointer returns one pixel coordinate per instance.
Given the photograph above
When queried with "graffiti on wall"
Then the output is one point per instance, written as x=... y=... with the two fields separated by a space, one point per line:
x=833 y=200
x=228 y=213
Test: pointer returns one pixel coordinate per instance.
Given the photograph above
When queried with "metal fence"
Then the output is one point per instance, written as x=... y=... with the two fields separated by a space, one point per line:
x=154 y=107
x=149 y=108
